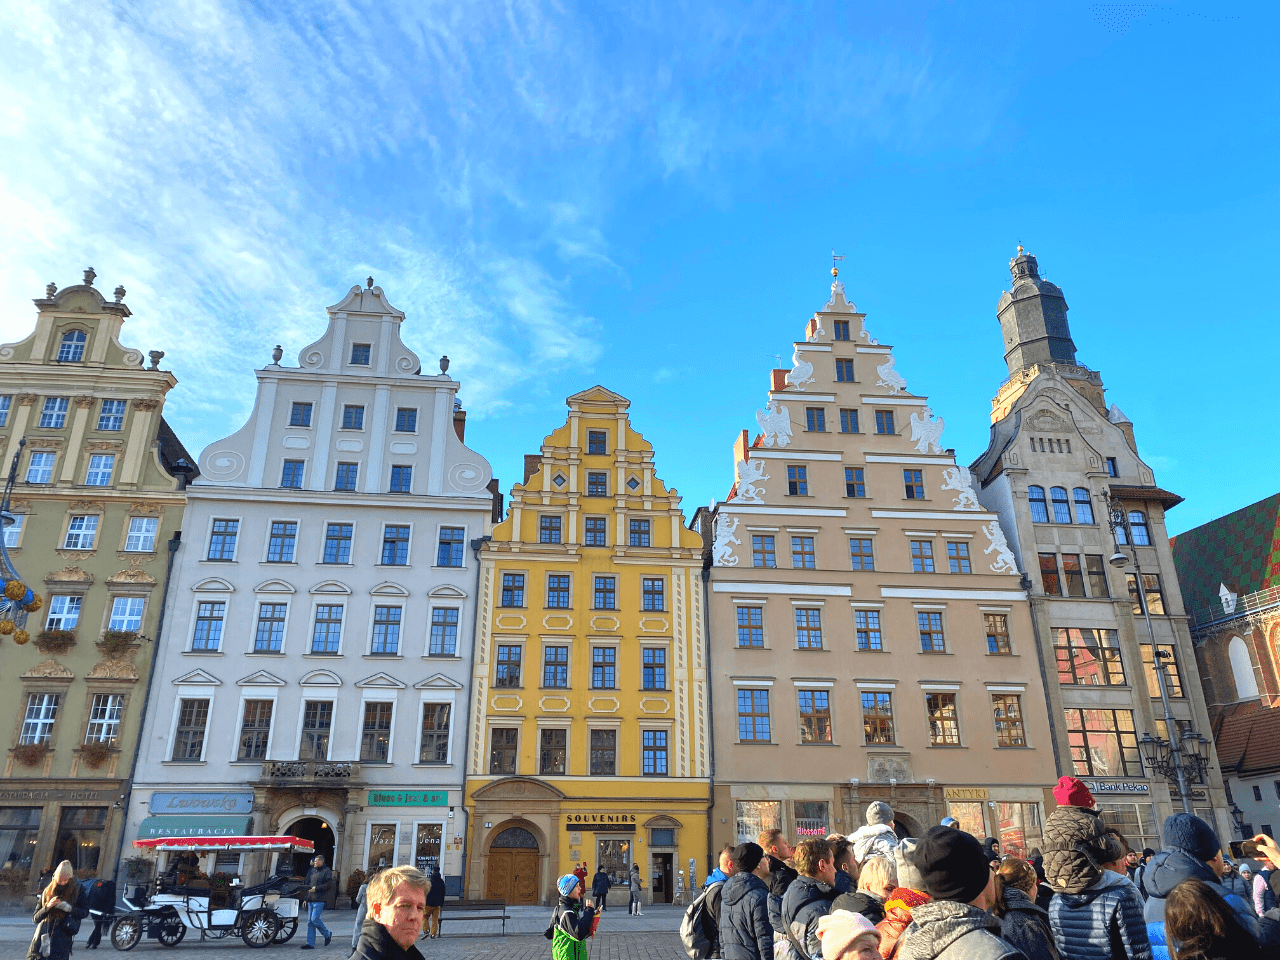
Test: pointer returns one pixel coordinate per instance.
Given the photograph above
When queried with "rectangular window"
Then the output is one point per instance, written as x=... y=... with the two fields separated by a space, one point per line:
x=337 y=542
x=750 y=626
x=815 y=716
x=1172 y=677
x=54 y=414
x=802 y=555
x=654 y=753
x=854 y=484
x=64 y=613
x=815 y=419
x=395 y=546
x=931 y=638
x=209 y=620
x=1103 y=743
x=549 y=529
x=449 y=553
x=503 y=743
x=604 y=753
x=282 y=542
x=848 y=421
x=877 y=718
x=944 y=722
x=141 y=537
x=753 y=716
x=317 y=722
x=360 y=354
x=884 y=422
x=844 y=371
x=808 y=628
x=1021 y=830
x=375 y=736
x=841 y=333
x=762 y=552
x=1049 y=574
x=1007 y=710
x=327 y=635
x=300 y=415
x=7 y=402
x=40 y=468
x=655 y=668
x=606 y=593
x=866 y=624
x=269 y=635
x=101 y=466
x=37 y=722
x=1088 y=657
x=291 y=474
x=1073 y=574
x=860 y=556
x=797 y=481
x=1097 y=574
x=597 y=442
x=13 y=532
x=913 y=484
x=1151 y=593
x=997 y=633
x=752 y=817
x=353 y=416
x=444 y=632
x=82 y=533
x=654 y=593
x=1113 y=470
x=958 y=557
x=401 y=478
x=255 y=729
x=555 y=667
x=922 y=556
x=639 y=533
x=507 y=668
x=604 y=668
x=111 y=417
x=595 y=532
x=597 y=484
x=386 y=631
x=513 y=589
x=406 y=420
x=558 y=591
x=188 y=737
x=345 y=476
x=222 y=540
x=553 y=745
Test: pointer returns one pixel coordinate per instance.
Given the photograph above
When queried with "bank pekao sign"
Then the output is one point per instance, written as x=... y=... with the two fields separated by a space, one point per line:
x=1116 y=786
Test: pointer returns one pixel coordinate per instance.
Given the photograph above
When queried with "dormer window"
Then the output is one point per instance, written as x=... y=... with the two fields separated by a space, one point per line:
x=71 y=350
x=360 y=354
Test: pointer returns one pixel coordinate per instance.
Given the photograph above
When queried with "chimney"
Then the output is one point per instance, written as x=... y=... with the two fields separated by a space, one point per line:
x=532 y=463
x=460 y=423
x=497 y=511
x=779 y=379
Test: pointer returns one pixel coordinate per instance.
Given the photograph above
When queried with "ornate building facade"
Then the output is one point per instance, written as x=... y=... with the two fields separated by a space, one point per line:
x=588 y=737
x=99 y=494
x=870 y=637
x=313 y=677
x=1058 y=455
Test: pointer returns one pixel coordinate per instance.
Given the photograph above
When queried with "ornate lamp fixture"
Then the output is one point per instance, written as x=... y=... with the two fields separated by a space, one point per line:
x=16 y=598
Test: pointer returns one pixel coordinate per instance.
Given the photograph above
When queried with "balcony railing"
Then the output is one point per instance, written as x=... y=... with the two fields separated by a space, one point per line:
x=297 y=771
x=1205 y=619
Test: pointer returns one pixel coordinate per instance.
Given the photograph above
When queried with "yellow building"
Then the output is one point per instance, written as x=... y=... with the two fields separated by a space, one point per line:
x=588 y=738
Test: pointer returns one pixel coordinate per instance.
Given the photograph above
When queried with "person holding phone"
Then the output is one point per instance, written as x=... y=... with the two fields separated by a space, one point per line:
x=572 y=921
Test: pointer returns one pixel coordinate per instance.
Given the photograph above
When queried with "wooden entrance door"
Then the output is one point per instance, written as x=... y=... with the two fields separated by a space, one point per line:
x=512 y=874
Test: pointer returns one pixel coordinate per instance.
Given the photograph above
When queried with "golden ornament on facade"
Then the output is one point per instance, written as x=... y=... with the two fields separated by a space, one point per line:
x=21 y=637
x=35 y=604
x=15 y=589
x=7 y=627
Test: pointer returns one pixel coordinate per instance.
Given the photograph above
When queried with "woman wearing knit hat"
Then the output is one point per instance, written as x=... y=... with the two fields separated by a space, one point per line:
x=897 y=917
x=58 y=915
x=848 y=936
x=572 y=921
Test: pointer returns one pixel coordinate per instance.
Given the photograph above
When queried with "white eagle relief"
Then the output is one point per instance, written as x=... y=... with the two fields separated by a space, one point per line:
x=750 y=475
x=801 y=371
x=891 y=378
x=721 y=551
x=959 y=478
x=926 y=431
x=1004 y=562
x=775 y=424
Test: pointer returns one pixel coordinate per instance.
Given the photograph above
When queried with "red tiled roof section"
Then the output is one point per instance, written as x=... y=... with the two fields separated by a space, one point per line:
x=1158 y=494
x=1249 y=737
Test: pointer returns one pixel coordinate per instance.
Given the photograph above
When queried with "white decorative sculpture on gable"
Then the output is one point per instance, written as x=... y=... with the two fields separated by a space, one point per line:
x=801 y=371
x=721 y=551
x=926 y=431
x=891 y=378
x=959 y=478
x=1004 y=562
x=750 y=475
x=775 y=423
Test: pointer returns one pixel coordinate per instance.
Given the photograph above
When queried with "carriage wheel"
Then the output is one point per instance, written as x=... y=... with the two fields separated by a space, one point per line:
x=288 y=927
x=126 y=932
x=171 y=930
x=259 y=928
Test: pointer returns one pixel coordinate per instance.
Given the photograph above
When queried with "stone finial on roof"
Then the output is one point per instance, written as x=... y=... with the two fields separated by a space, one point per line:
x=368 y=282
x=444 y=364
x=156 y=357
x=119 y=293
x=277 y=353
x=88 y=277
x=50 y=290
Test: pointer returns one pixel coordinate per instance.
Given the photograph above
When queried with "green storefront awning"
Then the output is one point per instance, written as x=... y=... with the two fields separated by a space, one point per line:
x=154 y=827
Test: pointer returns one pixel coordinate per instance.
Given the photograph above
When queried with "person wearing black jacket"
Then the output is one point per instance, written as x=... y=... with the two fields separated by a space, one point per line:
x=101 y=901
x=776 y=854
x=319 y=883
x=397 y=900
x=58 y=913
x=745 y=931
x=600 y=885
x=435 y=900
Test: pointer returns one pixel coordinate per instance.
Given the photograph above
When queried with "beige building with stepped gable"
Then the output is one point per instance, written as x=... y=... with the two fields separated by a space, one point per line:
x=870 y=634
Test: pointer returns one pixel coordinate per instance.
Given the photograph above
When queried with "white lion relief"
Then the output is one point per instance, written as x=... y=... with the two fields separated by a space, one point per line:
x=721 y=551
x=926 y=431
x=891 y=378
x=1004 y=562
x=801 y=371
x=750 y=475
x=775 y=423
x=960 y=479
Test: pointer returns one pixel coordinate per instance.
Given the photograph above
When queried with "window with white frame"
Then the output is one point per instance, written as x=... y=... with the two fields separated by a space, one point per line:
x=104 y=718
x=386 y=631
x=5 y=404
x=141 y=537
x=282 y=541
x=126 y=614
x=449 y=553
x=40 y=467
x=210 y=616
x=71 y=349
x=222 y=539
x=269 y=635
x=327 y=635
x=435 y=733
x=54 y=414
x=317 y=723
x=375 y=738
x=64 y=613
x=111 y=416
x=13 y=532
x=189 y=732
x=444 y=632
x=82 y=532
x=37 y=722
x=255 y=729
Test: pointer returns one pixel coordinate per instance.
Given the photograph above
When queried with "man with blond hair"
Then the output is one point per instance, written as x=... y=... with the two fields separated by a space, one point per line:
x=776 y=854
x=809 y=897
x=397 y=899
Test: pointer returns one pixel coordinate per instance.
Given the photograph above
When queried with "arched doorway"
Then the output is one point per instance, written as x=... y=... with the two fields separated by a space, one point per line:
x=905 y=825
x=319 y=833
x=512 y=871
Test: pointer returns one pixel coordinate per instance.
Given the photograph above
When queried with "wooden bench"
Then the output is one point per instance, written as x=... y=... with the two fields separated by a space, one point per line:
x=475 y=910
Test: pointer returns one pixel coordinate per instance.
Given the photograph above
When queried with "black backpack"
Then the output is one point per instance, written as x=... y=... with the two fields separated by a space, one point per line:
x=698 y=932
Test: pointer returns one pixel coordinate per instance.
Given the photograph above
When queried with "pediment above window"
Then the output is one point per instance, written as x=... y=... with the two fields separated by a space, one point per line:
x=321 y=678
x=275 y=586
x=381 y=681
x=198 y=678
x=389 y=589
x=447 y=590
x=437 y=682
x=260 y=679
x=213 y=585
x=331 y=586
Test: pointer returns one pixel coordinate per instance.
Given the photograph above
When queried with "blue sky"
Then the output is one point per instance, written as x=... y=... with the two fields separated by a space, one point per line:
x=646 y=196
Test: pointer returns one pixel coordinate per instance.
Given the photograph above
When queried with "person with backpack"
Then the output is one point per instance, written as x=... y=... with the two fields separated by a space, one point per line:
x=809 y=896
x=572 y=921
x=700 y=927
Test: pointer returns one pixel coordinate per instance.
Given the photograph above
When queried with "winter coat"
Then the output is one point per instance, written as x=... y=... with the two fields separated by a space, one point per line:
x=318 y=884
x=1075 y=844
x=1044 y=896
x=867 y=904
x=806 y=901
x=435 y=895
x=873 y=840
x=56 y=920
x=634 y=880
x=1166 y=870
x=989 y=848
x=1234 y=883
x=1101 y=922
x=947 y=930
x=895 y=922
x=780 y=877
x=745 y=933
x=571 y=924
x=600 y=885
x=362 y=911
x=376 y=944
x=845 y=883
x=1261 y=896
x=1026 y=926
x=716 y=876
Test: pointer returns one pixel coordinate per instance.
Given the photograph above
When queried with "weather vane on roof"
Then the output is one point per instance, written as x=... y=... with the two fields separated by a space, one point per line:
x=835 y=271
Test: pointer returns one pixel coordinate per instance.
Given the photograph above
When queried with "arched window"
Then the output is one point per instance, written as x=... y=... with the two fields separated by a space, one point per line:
x=1039 y=514
x=1141 y=535
x=1084 y=508
x=1061 y=510
x=1242 y=669
x=71 y=350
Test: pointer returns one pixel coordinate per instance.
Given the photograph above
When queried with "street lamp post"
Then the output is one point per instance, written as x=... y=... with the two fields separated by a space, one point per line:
x=1118 y=519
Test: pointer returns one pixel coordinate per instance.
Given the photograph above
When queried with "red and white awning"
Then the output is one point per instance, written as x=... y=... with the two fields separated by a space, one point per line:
x=225 y=843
